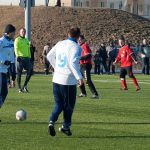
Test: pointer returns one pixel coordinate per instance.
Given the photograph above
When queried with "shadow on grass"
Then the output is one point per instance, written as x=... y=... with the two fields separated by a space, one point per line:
x=112 y=136
x=77 y=123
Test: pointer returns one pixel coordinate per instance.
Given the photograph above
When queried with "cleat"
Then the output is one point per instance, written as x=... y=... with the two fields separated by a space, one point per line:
x=20 y=91
x=125 y=89
x=138 y=88
x=13 y=84
x=65 y=131
x=51 y=130
x=82 y=95
x=9 y=86
x=95 y=96
x=25 y=90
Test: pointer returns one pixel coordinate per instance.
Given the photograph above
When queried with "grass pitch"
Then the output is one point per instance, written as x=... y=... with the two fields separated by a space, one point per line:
x=119 y=121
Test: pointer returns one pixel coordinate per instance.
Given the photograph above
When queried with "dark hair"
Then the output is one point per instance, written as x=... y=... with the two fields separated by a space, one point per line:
x=74 y=32
x=9 y=28
x=122 y=38
x=82 y=37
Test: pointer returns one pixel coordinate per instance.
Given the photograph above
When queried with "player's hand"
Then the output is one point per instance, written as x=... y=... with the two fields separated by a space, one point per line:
x=80 y=82
x=136 y=62
x=7 y=63
x=114 y=62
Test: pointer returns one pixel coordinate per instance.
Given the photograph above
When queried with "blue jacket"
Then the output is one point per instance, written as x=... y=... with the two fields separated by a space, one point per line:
x=6 y=53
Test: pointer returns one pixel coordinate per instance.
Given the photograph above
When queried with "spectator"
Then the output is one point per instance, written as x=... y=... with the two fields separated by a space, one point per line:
x=111 y=54
x=6 y=49
x=32 y=51
x=85 y=67
x=97 y=62
x=58 y=3
x=145 y=56
x=103 y=56
x=23 y=56
x=46 y=62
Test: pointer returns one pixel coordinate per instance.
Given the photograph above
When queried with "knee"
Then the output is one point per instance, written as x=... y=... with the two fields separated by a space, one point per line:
x=131 y=75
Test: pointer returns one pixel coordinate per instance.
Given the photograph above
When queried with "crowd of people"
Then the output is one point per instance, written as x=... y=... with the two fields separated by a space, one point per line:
x=106 y=54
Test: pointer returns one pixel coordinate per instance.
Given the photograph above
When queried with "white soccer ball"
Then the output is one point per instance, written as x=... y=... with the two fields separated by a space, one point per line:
x=21 y=115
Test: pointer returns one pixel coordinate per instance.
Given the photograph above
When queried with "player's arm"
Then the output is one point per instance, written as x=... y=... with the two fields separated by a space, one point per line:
x=73 y=60
x=131 y=53
x=118 y=58
x=134 y=58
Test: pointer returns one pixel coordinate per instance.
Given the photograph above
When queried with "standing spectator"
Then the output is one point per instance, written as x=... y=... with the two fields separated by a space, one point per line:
x=145 y=56
x=46 y=62
x=103 y=56
x=58 y=3
x=32 y=51
x=111 y=53
x=23 y=56
x=85 y=67
x=64 y=57
x=126 y=57
x=6 y=48
x=97 y=62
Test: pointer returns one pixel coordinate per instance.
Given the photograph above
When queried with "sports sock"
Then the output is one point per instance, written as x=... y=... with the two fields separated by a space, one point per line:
x=123 y=83
x=135 y=82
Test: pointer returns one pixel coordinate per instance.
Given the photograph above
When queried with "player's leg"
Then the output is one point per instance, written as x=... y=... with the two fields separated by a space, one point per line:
x=130 y=74
x=27 y=67
x=19 y=73
x=82 y=87
x=13 y=74
x=8 y=78
x=89 y=81
x=3 y=88
x=70 y=99
x=123 y=73
x=58 y=93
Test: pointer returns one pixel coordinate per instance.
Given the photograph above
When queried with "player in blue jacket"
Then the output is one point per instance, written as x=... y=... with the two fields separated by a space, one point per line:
x=5 y=59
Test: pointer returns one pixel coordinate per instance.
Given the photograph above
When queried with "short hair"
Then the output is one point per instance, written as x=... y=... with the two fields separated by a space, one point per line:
x=122 y=38
x=82 y=37
x=74 y=32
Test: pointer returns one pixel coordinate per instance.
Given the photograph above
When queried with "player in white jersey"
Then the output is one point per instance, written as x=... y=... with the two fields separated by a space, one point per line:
x=64 y=58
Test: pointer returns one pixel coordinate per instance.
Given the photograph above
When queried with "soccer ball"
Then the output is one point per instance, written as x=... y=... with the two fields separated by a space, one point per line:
x=21 y=115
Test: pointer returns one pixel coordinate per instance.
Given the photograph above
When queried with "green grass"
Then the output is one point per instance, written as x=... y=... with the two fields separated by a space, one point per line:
x=119 y=121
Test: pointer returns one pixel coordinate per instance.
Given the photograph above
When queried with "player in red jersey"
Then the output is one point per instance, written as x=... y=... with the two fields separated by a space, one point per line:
x=85 y=67
x=126 y=57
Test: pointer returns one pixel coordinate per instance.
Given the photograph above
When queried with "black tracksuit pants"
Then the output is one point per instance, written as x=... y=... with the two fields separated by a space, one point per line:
x=86 y=73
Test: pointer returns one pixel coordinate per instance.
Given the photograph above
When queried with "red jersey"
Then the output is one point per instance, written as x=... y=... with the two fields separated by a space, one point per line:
x=85 y=51
x=124 y=56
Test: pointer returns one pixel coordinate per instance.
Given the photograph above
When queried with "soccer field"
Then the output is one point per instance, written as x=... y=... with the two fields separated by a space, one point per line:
x=118 y=121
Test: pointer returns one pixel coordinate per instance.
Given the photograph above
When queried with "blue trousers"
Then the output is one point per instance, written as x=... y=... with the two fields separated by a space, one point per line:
x=11 y=72
x=65 y=98
x=3 y=88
